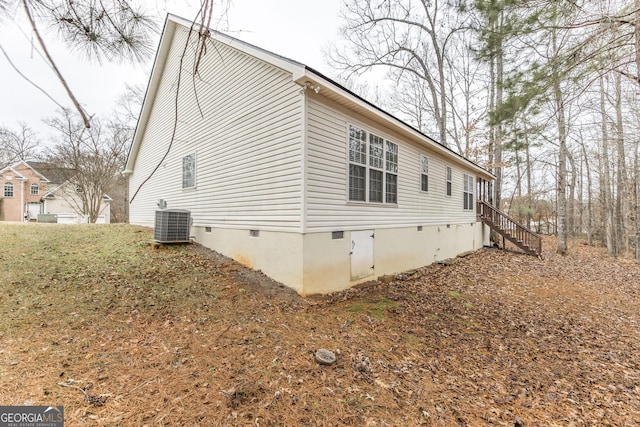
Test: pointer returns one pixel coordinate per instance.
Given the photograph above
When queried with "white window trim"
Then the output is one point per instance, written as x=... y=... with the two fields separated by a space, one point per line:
x=31 y=187
x=448 y=177
x=368 y=167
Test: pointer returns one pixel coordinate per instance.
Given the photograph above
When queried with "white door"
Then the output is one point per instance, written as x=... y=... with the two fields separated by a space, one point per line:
x=361 y=254
x=34 y=209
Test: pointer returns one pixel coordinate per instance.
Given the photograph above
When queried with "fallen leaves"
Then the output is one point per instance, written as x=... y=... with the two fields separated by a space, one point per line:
x=184 y=336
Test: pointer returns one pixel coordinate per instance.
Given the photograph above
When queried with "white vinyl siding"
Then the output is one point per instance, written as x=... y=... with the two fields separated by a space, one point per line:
x=245 y=124
x=328 y=206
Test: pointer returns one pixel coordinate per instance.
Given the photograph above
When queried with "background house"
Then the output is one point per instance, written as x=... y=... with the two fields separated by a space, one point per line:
x=33 y=188
x=22 y=188
x=288 y=172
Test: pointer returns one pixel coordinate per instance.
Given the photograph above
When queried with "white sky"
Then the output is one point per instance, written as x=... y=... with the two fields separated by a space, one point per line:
x=297 y=29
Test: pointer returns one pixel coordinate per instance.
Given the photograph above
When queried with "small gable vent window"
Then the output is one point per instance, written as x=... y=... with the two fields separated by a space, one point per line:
x=8 y=189
x=35 y=189
x=189 y=171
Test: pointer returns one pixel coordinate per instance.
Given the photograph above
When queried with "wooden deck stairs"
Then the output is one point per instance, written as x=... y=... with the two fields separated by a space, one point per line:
x=510 y=229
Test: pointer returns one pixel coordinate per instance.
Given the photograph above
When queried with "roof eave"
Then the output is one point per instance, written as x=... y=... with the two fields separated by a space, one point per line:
x=152 y=89
x=313 y=78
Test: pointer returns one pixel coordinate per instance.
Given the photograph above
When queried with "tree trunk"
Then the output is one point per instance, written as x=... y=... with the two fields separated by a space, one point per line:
x=622 y=226
x=499 y=128
x=606 y=177
x=589 y=196
x=636 y=184
x=528 y=172
x=561 y=189
x=571 y=202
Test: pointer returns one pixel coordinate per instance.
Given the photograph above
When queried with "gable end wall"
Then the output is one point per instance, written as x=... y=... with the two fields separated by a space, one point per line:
x=243 y=120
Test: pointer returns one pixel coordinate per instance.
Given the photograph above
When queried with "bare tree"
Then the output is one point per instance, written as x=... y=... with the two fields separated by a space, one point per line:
x=406 y=38
x=100 y=30
x=20 y=144
x=90 y=159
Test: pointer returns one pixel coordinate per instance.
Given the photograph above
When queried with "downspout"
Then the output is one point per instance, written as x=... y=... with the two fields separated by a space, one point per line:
x=22 y=180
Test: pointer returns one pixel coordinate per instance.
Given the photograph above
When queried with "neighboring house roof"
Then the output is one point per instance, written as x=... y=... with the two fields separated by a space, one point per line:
x=14 y=166
x=55 y=174
x=306 y=77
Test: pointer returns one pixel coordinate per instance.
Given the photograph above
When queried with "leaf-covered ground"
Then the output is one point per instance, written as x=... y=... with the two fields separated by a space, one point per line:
x=92 y=318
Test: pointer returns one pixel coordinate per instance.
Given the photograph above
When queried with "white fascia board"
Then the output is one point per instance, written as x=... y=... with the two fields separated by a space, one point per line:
x=152 y=89
x=295 y=68
x=312 y=79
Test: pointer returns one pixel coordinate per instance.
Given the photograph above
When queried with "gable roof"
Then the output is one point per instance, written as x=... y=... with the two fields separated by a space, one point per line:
x=14 y=166
x=303 y=75
x=54 y=174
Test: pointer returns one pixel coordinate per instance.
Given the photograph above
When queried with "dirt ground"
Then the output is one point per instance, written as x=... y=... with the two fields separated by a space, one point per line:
x=182 y=336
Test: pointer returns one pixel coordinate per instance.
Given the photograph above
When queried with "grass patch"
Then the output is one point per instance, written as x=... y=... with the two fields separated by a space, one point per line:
x=455 y=294
x=375 y=309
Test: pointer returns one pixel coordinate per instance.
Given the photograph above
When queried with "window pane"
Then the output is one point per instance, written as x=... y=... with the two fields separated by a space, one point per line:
x=357 y=146
x=357 y=182
x=375 y=186
x=425 y=183
x=392 y=188
x=448 y=188
x=34 y=189
x=189 y=171
x=392 y=157
x=8 y=189
x=376 y=152
x=424 y=164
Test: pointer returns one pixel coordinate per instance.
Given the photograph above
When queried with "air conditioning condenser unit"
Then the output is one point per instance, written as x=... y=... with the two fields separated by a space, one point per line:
x=172 y=226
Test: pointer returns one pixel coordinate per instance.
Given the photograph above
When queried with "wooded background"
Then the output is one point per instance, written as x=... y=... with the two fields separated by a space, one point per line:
x=543 y=93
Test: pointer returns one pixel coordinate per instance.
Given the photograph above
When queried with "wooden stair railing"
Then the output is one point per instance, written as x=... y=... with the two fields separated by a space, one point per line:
x=510 y=229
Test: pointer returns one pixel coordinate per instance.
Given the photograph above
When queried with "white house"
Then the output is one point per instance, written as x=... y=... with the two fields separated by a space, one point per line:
x=290 y=173
x=64 y=201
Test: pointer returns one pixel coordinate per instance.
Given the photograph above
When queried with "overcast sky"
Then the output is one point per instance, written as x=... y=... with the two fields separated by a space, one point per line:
x=296 y=29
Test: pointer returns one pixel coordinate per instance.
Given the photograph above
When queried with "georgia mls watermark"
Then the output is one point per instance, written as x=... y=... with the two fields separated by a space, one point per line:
x=31 y=416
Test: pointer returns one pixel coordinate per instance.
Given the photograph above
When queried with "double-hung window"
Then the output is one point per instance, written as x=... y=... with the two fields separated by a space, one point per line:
x=8 y=189
x=373 y=168
x=391 y=175
x=448 y=179
x=189 y=171
x=424 y=173
x=376 y=168
x=468 y=192
x=34 y=189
